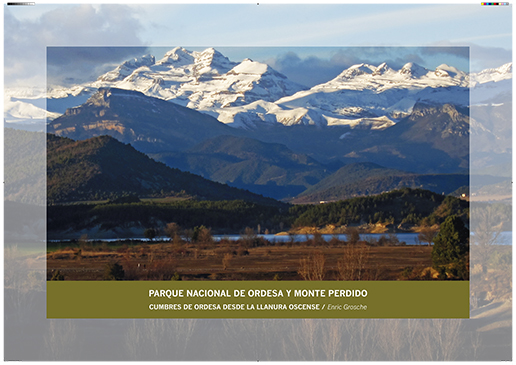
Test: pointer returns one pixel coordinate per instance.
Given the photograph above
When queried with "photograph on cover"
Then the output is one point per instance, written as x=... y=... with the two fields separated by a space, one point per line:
x=250 y=193
x=190 y=165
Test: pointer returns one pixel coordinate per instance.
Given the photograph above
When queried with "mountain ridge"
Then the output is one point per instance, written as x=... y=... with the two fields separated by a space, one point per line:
x=432 y=139
x=208 y=81
x=269 y=169
x=149 y=124
x=102 y=168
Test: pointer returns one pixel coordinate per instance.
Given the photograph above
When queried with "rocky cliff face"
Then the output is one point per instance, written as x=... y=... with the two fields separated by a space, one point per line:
x=149 y=124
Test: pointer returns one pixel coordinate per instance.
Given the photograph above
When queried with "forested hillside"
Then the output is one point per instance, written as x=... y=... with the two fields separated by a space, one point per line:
x=102 y=168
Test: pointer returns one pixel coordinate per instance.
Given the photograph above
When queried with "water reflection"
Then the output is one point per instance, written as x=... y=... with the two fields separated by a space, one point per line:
x=504 y=238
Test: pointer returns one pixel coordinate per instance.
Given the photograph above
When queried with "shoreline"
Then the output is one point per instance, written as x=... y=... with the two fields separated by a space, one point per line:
x=362 y=229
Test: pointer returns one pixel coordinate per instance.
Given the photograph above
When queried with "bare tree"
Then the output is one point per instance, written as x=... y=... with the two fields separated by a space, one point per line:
x=249 y=237
x=312 y=267
x=332 y=340
x=252 y=340
x=486 y=233
x=60 y=339
x=353 y=235
x=173 y=230
x=427 y=234
x=352 y=265
x=161 y=339
x=226 y=260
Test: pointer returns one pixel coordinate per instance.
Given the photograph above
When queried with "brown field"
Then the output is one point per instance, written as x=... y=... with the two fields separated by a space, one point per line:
x=227 y=260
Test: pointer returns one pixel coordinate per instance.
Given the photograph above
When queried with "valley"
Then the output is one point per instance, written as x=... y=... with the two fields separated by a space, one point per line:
x=278 y=162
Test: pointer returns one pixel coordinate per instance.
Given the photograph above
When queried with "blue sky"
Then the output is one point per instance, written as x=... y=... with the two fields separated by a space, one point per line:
x=265 y=30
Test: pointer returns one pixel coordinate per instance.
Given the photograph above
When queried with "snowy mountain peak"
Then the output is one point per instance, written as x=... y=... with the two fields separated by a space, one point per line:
x=245 y=83
x=363 y=70
x=243 y=94
x=250 y=67
x=210 y=50
x=503 y=72
x=504 y=69
x=126 y=68
x=507 y=68
x=447 y=68
x=413 y=70
x=448 y=71
x=177 y=57
x=357 y=70
x=146 y=60
x=211 y=60
x=203 y=80
x=381 y=69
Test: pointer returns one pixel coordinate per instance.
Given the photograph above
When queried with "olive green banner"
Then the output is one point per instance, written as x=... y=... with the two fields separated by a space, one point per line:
x=258 y=299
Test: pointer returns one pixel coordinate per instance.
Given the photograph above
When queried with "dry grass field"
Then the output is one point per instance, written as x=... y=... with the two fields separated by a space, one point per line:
x=241 y=260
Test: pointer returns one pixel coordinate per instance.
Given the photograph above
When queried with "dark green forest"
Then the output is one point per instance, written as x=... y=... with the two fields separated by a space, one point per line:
x=102 y=168
x=226 y=216
x=411 y=206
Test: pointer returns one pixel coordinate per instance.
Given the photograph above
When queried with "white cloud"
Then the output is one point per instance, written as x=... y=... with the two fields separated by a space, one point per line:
x=25 y=41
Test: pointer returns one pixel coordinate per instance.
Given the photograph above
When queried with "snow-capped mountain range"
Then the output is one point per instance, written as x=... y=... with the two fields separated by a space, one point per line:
x=200 y=80
x=250 y=93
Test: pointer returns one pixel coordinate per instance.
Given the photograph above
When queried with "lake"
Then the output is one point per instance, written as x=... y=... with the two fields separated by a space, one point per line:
x=505 y=238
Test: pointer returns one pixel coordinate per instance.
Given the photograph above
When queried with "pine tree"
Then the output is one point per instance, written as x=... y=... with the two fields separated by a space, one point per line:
x=451 y=245
x=114 y=271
